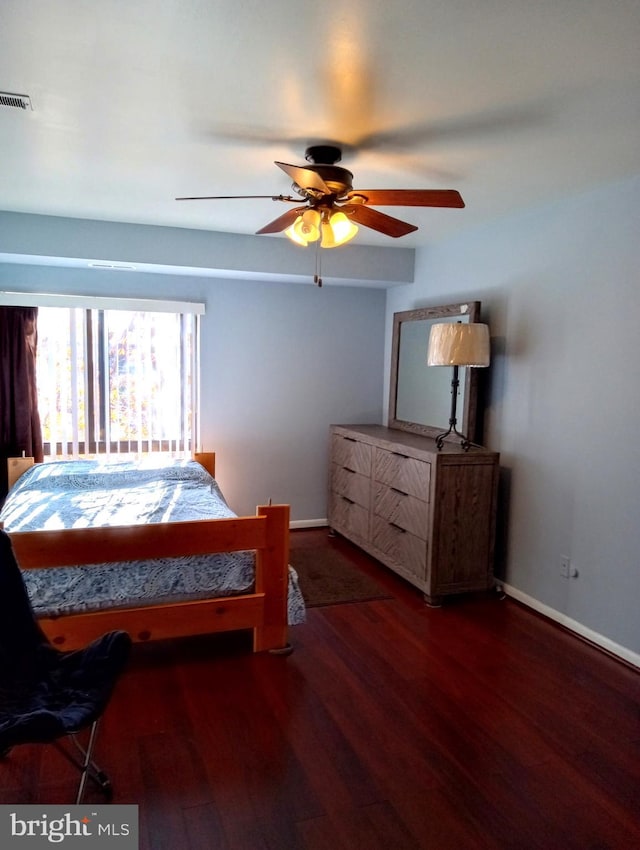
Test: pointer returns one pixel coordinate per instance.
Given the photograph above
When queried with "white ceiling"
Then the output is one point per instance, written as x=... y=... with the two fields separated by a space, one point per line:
x=513 y=103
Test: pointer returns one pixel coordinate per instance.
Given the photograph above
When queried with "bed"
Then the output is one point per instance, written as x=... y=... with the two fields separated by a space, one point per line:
x=150 y=547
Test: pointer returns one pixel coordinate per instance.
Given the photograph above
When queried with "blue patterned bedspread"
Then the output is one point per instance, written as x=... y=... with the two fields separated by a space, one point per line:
x=83 y=493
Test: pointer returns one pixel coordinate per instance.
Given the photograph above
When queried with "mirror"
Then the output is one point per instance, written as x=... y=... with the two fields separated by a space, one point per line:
x=420 y=395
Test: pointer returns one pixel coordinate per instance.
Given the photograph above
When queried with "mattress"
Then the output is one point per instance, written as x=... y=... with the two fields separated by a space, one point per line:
x=86 y=493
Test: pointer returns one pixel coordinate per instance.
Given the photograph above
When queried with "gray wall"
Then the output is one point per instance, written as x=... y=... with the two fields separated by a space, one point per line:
x=560 y=289
x=280 y=363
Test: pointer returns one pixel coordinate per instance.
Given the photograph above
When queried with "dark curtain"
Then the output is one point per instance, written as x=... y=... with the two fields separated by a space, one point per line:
x=20 y=429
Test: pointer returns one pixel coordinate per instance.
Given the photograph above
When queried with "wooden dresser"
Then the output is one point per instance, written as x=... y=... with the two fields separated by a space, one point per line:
x=428 y=515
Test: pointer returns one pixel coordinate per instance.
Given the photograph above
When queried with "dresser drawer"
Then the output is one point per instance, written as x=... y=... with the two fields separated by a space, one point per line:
x=402 y=510
x=406 y=474
x=348 y=517
x=351 y=484
x=401 y=548
x=351 y=454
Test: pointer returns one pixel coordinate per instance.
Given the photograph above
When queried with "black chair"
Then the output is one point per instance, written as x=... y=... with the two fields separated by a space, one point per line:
x=47 y=695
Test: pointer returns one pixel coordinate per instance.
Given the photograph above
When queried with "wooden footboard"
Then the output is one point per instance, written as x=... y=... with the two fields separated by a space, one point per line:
x=264 y=611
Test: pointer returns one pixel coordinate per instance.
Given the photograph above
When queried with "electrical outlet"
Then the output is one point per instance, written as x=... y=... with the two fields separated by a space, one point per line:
x=565 y=566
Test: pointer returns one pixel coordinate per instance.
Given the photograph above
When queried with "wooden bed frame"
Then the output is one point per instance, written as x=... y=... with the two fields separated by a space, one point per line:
x=264 y=610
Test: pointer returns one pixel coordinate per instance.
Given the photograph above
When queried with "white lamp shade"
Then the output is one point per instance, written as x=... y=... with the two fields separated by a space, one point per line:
x=458 y=344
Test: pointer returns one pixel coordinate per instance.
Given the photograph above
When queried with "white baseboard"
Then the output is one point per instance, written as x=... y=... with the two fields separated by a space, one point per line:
x=308 y=523
x=573 y=625
x=605 y=643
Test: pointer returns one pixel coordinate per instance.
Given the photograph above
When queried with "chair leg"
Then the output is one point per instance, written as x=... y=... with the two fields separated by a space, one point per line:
x=86 y=765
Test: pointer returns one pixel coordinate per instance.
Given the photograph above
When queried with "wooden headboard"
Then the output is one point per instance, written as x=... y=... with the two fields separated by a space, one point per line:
x=17 y=465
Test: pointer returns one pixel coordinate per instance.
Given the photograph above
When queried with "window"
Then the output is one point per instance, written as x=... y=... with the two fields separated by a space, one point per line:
x=117 y=381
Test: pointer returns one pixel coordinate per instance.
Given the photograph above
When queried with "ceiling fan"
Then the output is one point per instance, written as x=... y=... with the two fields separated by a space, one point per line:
x=329 y=208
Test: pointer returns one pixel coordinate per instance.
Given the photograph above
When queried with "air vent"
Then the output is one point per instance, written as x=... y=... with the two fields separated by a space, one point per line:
x=120 y=267
x=16 y=101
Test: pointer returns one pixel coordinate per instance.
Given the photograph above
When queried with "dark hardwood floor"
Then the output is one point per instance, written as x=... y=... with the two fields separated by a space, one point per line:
x=391 y=726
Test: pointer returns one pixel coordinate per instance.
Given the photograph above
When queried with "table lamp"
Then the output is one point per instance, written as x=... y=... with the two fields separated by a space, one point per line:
x=457 y=344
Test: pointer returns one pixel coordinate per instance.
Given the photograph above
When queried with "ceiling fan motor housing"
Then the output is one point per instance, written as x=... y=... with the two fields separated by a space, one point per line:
x=323 y=159
x=323 y=154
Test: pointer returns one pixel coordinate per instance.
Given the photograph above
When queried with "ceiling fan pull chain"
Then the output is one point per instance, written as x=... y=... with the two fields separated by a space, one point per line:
x=317 y=278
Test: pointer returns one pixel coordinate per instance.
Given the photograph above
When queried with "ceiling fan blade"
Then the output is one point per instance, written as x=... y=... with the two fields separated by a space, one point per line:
x=409 y=197
x=306 y=178
x=282 y=222
x=377 y=220
x=235 y=197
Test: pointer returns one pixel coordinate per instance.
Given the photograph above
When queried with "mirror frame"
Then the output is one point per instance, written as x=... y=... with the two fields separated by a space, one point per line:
x=468 y=404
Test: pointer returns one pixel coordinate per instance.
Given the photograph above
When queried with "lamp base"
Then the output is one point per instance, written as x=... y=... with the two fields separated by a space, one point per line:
x=464 y=441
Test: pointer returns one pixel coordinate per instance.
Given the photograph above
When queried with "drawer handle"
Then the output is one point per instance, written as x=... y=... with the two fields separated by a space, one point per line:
x=399 y=454
x=350 y=501
x=401 y=492
x=351 y=439
x=348 y=469
x=398 y=527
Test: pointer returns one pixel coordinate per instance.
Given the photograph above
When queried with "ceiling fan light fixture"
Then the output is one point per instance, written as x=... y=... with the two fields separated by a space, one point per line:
x=305 y=229
x=294 y=236
x=337 y=230
x=308 y=225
